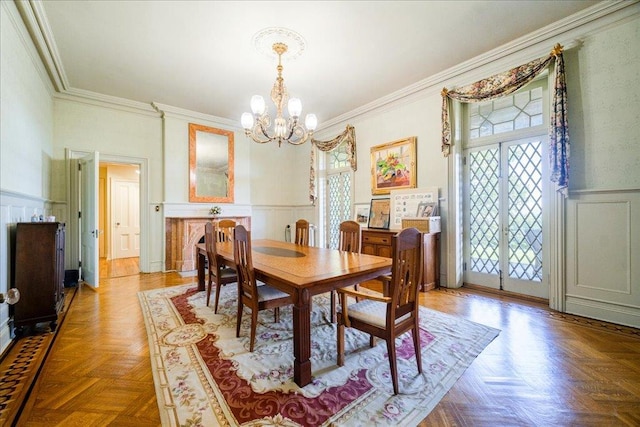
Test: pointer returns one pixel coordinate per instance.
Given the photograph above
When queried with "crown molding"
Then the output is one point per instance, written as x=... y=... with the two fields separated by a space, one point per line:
x=171 y=111
x=107 y=101
x=566 y=31
x=20 y=20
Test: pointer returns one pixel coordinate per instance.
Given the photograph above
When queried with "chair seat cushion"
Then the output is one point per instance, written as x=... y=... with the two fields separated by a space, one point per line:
x=267 y=293
x=372 y=312
x=227 y=272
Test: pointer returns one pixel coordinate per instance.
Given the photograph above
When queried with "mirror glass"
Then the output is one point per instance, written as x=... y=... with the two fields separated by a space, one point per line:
x=210 y=164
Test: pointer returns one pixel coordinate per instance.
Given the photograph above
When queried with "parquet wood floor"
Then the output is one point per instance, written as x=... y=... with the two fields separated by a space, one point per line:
x=544 y=369
x=119 y=267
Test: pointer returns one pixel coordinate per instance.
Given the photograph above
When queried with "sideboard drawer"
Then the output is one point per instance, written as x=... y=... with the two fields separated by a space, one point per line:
x=378 y=239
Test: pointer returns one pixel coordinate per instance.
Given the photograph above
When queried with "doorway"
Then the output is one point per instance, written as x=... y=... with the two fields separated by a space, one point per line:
x=119 y=219
x=504 y=216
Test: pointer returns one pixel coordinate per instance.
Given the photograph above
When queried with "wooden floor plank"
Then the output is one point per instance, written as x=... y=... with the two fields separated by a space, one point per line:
x=545 y=368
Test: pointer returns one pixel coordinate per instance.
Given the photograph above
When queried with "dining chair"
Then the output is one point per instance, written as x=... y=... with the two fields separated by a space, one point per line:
x=250 y=294
x=225 y=230
x=302 y=232
x=225 y=234
x=349 y=241
x=218 y=273
x=389 y=316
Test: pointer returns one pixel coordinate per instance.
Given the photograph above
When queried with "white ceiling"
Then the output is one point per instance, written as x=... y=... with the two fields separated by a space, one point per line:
x=199 y=56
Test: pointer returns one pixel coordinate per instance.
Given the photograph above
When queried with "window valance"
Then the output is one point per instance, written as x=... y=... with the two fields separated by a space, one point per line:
x=348 y=136
x=510 y=81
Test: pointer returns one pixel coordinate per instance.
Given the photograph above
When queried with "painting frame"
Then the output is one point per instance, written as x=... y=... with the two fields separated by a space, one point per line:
x=427 y=209
x=380 y=213
x=361 y=213
x=400 y=172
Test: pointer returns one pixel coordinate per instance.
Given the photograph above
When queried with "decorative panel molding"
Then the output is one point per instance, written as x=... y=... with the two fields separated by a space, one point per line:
x=603 y=243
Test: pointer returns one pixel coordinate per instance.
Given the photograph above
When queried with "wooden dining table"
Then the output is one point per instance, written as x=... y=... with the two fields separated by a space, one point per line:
x=302 y=272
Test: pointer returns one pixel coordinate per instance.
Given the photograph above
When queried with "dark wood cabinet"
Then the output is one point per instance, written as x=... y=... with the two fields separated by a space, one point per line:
x=378 y=242
x=39 y=273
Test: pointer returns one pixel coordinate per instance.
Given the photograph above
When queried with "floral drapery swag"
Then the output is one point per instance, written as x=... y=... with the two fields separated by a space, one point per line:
x=508 y=82
x=348 y=136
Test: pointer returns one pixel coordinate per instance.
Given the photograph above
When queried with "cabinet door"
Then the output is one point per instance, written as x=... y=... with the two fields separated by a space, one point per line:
x=368 y=249
x=384 y=251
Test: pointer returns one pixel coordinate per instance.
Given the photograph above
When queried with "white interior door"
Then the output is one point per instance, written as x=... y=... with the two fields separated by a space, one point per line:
x=89 y=231
x=126 y=219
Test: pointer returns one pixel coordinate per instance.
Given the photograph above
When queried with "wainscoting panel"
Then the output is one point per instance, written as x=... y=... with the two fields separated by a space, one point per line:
x=603 y=262
x=270 y=222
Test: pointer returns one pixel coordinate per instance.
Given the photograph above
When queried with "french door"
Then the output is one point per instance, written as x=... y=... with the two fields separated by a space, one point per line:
x=504 y=246
x=339 y=198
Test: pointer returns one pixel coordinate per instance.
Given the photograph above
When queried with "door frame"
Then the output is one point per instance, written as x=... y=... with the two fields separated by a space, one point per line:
x=73 y=196
x=503 y=281
x=453 y=240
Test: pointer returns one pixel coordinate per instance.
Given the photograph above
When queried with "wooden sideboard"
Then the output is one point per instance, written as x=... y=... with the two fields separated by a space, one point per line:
x=378 y=242
x=39 y=273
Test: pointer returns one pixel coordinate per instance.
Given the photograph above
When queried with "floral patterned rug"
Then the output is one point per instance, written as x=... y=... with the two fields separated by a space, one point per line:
x=205 y=376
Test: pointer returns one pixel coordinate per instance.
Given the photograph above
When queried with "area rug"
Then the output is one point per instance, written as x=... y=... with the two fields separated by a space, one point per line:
x=205 y=376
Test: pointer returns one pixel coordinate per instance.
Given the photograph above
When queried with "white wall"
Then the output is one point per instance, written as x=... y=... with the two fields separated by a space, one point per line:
x=26 y=140
x=133 y=134
x=603 y=81
x=603 y=209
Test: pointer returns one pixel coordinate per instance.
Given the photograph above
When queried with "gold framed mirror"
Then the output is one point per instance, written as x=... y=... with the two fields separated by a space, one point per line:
x=210 y=164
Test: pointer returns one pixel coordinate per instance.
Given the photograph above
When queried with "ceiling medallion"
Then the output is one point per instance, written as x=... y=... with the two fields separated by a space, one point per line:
x=264 y=40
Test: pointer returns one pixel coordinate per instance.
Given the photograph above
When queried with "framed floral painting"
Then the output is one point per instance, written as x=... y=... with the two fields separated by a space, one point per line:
x=393 y=166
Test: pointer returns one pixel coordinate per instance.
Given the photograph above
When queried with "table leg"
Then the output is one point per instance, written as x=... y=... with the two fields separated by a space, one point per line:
x=302 y=339
x=200 y=264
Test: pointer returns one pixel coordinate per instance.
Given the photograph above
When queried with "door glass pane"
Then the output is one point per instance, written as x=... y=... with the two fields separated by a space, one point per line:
x=484 y=227
x=339 y=205
x=518 y=111
x=525 y=211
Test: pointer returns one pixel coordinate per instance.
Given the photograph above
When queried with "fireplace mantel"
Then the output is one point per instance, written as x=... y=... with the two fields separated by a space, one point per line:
x=182 y=235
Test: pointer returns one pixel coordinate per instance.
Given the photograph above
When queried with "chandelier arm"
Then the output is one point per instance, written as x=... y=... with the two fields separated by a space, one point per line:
x=263 y=129
x=255 y=138
x=254 y=135
x=293 y=123
x=301 y=135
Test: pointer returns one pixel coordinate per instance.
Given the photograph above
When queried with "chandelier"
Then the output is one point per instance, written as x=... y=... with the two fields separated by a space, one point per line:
x=258 y=126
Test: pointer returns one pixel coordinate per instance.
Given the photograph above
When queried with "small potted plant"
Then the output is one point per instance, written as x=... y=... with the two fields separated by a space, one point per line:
x=215 y=210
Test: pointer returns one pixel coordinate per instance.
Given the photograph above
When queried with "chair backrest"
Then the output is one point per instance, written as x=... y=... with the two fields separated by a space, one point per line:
x=210 y=232
x=302 y=232
x=225 y=230
x=406 y=272
x=349 y=236
x=247 y=288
